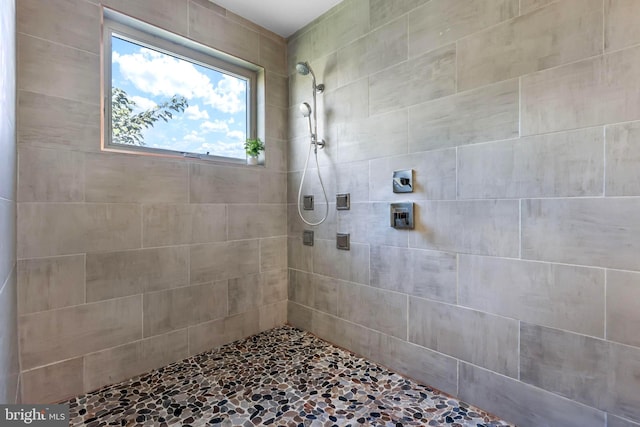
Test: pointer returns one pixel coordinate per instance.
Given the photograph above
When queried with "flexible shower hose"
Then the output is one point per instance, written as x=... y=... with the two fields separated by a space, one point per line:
x=304 y=173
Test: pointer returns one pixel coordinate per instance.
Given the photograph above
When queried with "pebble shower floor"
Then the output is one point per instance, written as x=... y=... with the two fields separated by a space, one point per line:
x=282 y=377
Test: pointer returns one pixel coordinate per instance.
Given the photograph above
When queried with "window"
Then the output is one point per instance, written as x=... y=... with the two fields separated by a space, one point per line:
x=166 y=94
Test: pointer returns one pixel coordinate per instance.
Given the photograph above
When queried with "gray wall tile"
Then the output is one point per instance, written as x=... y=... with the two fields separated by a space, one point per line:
x=623 y=157
x=118 y=178
x=74 y=71
x=521 y=403
x=620 y=26
x=491 y=227
x=299 y=256
x=50 y=175
x=623 y=307
x=168 y=14
x=352 y=265
x=210 y=335
x=559 y=296
x=425 y=274
x=598 y=232
x=312 y=290
x=53 y=382
x=166 y=311
x=117 y=274
x=253 y=221
x=440 y=22
x=369 y=223
x=382 y=11
x=592 y=371
x=420 y=79
x=49 y=229
x=486 y=114
x=273 y=254
x=220 y=261
x=613 y=421
x=273 y=315
x=216 y=184
x=564 y=32
x=434 y=174
x=376 y=136
x=378 y=309
x=50 y=336
x=473 y=336
x=562 y=98
x=555 y=165
x=50 y=283
x=171 y=224
x=245 y=293
x=527 y=6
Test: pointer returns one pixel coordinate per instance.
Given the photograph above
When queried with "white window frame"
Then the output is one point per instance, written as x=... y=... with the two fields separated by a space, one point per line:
x=142 y=33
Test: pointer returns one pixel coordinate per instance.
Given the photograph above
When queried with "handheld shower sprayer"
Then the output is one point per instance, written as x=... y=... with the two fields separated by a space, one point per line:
x=303 y=68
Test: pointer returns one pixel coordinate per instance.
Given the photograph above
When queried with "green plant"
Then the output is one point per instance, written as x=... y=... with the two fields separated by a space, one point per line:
x=253 y=147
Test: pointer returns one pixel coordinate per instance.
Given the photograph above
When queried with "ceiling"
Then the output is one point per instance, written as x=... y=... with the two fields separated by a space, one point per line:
x=283 y=17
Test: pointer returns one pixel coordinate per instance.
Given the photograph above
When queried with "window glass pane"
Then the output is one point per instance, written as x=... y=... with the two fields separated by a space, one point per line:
x=164 y=102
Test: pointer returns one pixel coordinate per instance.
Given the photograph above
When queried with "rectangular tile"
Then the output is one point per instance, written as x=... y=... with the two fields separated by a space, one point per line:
x=75 y=72
x=377 y=309
x=425 y=274
x=217 y=31
x=373 y=137
x=490 y=227
x=218 y=184
x=71 y=23
x=220 y=261
x=117 y=274
x=353 y=178
x=178 y=224
x=420 y=79
x=299 y=316
x=50 y=175
x=564 y=32
x=59 y=228
x=166 y=311
x=369 y=223
x=118 y=178
x=325 y=230
x=352 y=265
x=299 y=256
x=473 y=336
x=273 y=254
x=253 y=221
x=273 y=315
x=312 y=290
x=347 y=22
x=274 y=286
x=621 y=29
x=52 y=122
x=55 y=335
x=434 y=175
x=623 y=157
x=623 y=307
x=209 y=335
x=8 y=238
x=9 y=341
x=245 y=294
x=168 y=14
x=567 y=164
x=53 y=383
x=419 y=363
x=273 y=187
x=376 y=51
x=563 y=98
x=595 y=372
x=597 y=232
x=527 y=6
x=120 y=363
x=382 y=11
x=50 y=283
x=613 y=421
x=273 y=57
x=441 y=22
x=486 y=114
x=521 y=403
x=558 y=296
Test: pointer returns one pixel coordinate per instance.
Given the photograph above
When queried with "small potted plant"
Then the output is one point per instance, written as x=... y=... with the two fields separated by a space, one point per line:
x=253 y=147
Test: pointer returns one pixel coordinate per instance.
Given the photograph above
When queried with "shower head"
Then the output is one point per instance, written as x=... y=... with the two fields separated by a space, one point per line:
x=305 y=109
x=303 y=68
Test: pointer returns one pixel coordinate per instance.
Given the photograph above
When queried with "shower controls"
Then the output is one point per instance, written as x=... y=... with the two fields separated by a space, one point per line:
x=403 y=181
x=343 y=241
x=402 y=216
x=307 y=202
x=307 y=237
x=343 y=202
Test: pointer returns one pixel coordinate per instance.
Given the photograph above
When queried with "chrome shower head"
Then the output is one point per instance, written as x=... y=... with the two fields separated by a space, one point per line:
x=303 y=68
x=305 y=109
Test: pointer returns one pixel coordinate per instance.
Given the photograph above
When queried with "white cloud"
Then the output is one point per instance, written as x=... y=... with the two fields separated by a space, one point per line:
x=194 y=137
x=237 y=135
x=195 y=113
x=142 y=104
x=162 y=75
x=215 y=126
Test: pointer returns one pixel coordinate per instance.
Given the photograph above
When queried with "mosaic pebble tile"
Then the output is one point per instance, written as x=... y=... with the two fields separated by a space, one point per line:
x=283 y=377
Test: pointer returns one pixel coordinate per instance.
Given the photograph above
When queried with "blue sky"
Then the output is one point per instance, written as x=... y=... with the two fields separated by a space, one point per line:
x=215 y=120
